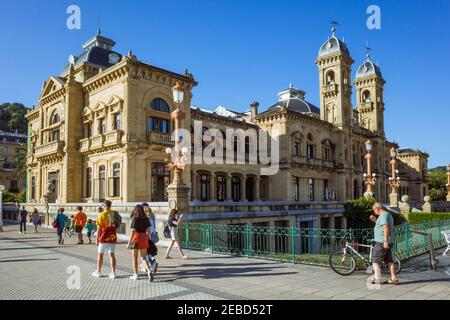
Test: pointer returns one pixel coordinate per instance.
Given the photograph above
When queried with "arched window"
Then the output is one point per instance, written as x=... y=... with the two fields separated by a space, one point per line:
x=204 y=187
x=366 y=96
x=88 y=192
x=310 y=146
x=236 y=188
x=55 y=118
x=159 y=104
x=102 y=183
x=116 y=180
x=158 y=123
x=329 y=78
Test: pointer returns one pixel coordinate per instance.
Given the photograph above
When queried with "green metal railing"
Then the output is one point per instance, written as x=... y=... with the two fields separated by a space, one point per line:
x=300 y=245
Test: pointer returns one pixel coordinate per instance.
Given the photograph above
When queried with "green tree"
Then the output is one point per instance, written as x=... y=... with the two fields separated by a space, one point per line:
x=436 y=184
x=12 y=117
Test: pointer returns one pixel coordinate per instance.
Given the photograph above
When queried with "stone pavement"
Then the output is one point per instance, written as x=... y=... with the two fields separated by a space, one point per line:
x=35 y=267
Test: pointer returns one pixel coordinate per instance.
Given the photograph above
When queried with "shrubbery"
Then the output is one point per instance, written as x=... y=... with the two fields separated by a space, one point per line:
x=359 y=210
x=419 y=217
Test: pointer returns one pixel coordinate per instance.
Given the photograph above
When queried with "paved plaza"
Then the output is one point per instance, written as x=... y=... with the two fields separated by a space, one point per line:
x=35 y=267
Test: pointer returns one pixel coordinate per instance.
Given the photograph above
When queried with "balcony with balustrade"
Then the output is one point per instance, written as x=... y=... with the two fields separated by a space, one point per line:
x=49 y=149
x=160 y=138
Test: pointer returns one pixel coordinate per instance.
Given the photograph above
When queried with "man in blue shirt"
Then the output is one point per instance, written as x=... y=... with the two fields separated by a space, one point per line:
x=384 y=241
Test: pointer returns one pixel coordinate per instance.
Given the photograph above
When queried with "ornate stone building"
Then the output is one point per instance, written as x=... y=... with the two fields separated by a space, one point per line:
x=9 y=142
x=102 y=126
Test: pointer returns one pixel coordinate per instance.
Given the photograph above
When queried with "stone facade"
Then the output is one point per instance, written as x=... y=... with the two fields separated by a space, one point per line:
x=9 y=142
x=102 y=126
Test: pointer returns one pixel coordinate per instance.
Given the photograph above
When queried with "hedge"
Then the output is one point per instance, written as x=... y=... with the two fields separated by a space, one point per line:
x=419 y=217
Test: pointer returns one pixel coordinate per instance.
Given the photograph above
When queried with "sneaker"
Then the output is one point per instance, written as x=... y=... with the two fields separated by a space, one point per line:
x=20 y=232
x=150 y=276
x=112 y=275
x=96 y=274
x=134 y=277
x=184 y=257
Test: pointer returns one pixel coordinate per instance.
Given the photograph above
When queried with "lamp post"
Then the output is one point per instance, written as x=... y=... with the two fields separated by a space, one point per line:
x=394 y=179
x=448 y=182
x=369 y=177
x=2 y=188
x=178 y=192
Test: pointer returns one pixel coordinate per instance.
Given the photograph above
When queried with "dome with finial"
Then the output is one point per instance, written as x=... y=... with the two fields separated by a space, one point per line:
x=368 y=68
x=333 y=45
x=293 y=99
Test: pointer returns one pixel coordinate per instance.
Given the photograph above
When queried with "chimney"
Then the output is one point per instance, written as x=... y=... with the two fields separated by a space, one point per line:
x=254 y=109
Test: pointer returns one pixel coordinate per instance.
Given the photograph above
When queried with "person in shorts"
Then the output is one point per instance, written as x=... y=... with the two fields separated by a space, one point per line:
x=80 y=222
x=89 y=229
x=384 y=241
x=173 y=221
x=106 y=239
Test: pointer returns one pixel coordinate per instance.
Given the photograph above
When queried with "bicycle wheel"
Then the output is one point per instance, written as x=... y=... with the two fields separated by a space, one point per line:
x=342 y=264
x=397 y=264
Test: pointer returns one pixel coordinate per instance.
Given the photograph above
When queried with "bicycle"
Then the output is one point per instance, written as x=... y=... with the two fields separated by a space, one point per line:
x=343 y=261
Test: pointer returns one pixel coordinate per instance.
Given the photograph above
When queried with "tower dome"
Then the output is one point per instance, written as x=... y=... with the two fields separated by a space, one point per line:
x=368 y=68
x=333 y=45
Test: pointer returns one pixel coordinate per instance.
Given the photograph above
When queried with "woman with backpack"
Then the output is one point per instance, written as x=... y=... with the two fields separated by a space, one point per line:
x=140 y=229
x=173 y=223
x=60 y=220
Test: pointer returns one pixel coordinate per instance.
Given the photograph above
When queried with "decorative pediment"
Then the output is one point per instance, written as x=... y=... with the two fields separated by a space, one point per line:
x=327 y=142
x=51 y=85
x=115 y=104
x=297 y=135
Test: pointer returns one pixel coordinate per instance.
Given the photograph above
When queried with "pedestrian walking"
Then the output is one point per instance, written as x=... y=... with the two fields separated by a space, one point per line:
x=106 y=239
x=89 y=229
x=61 y=220
x=35 y=219
x=80 y=219
x=140 y=230
x=173 y=221
x=22 y=217
x=151 y=257
x=384 y=241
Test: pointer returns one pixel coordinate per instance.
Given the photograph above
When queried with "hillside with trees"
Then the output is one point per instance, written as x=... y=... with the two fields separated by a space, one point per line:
x=437 y=179
x=12 y=117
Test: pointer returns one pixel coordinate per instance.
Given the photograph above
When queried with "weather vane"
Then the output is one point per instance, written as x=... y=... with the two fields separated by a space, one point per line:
x=368 y=50
x=333 y=26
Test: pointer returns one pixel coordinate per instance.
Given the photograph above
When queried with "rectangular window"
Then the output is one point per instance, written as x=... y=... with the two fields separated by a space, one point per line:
x=311 y=189
x=88 y=182
x=297 y=148
x=164 y=126
x=118 y=122
x=116 y=180
x=150 y=124
x=204 y=187
x=327 y=154
x=221 y=188
x=236 y=188
x=296 y=189
x=101 y=126
x=325 y=190
x=310 y=151
x=33 y=188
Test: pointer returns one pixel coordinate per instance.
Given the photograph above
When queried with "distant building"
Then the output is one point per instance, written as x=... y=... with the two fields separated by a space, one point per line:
x=9 y=142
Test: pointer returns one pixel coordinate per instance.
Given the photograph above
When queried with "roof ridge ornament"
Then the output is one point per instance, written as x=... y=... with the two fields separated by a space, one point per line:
x=368 y=51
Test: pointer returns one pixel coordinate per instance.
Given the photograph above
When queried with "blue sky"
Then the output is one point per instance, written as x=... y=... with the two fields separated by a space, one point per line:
x=241 y=51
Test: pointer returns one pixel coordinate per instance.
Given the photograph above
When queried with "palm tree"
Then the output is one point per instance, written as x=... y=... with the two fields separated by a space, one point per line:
x=20 y=161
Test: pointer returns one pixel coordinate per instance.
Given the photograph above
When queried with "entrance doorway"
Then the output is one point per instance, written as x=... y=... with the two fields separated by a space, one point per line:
x=160 y=181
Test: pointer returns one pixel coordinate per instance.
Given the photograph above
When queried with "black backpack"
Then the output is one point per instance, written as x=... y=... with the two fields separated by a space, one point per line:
x=117 y=219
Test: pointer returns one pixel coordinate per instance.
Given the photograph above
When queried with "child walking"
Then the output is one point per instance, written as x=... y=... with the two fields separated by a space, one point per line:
x=89 y=228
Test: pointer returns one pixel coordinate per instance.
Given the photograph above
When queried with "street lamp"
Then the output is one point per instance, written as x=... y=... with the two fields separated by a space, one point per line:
x=394 y=180
x=176 y=157
x=2 y=188
x=369 y=177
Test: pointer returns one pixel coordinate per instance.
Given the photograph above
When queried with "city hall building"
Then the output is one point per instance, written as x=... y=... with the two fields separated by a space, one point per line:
x=102 y=126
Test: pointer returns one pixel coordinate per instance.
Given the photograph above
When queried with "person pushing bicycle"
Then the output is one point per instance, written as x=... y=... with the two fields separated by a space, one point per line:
x=384 y=241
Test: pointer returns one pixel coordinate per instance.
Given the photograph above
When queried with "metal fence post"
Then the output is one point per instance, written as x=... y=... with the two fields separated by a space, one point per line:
x=211 y=237
x=247 y=240
x=187 y=235
x=407 y=239
x=293 y=243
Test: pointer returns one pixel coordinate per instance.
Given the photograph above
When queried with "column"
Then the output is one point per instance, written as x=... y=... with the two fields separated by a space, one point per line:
x=229 y=177
x=243 y=183
x=212 y=188
x=194 y=182
x=257 y=188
